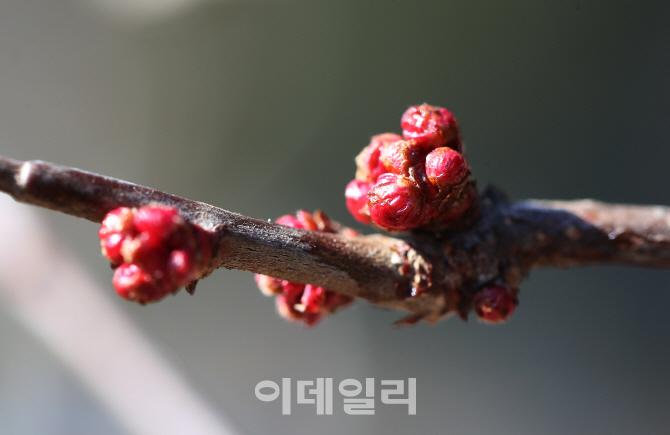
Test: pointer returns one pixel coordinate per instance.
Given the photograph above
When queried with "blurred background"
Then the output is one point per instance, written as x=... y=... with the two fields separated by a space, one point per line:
x=259 y=107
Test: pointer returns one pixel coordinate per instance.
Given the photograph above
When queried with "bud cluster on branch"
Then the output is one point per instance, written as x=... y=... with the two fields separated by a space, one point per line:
x=461 y=251
x=418 y=181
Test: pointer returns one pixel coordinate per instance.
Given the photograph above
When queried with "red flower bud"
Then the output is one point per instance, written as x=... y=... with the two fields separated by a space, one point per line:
x=369 y=167
x=289 y=221
x=431 y=127
x=445 y=167
x=305 y=303
x=324 y=223
x=180 y=265
x=269 y=286
x=116 y=227
x=398 y=157
x=426 y=180
x=357 y=200
x=396 y=203
x=313 y=298
x=134 y=284
x=303 y=220
x=287 y=309
x=495 y=304
x=292 y=291
x=157 y=223
x=155 y=251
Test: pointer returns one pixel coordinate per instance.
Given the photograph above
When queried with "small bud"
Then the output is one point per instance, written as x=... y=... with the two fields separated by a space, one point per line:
x=433 y=191
x=269 y=286
x=289 y=221
x=157 y=223
x=119 y=220
x=116 y=227
x=324 y=223
x=134 y=284
x=307 y=220
x=431 y=127
x=396 y=203
x=292 y=291
x=313 y=298
x=356 y=194
x=495 y=304
x=445 y=167
x=180 y=266
x=154 y=250
x=287 y=309
x=302 y=219
x=369 y=167
x=111 y=248
x=305 y=303
x=398 y=157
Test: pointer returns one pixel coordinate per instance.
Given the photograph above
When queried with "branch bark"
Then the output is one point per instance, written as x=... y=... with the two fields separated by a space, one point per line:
x=430 y=275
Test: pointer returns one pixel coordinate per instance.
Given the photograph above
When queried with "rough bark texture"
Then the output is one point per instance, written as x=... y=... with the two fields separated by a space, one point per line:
x=430 y=275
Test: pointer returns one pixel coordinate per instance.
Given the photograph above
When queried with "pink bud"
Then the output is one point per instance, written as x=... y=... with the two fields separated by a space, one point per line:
x=494 y=304
x=369 y=167
x=119 y=220
x=445 y=167
x=307 y=220
x=287 y=310
x=313 y=298
x=303 y=220
x=431 y=127
x=292 y=291
x=157 y=223
x=357 y=200
x=289 y=220
x=269 y=286
x=134 y=284
x=111 y=248
x=116 y=227
x=398 y=157
x=180 y=266
x=155 y=249
x=395 y=203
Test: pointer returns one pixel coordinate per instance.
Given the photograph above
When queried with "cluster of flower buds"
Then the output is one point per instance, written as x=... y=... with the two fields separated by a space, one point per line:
x=305 y=302
x=495 y=303
x=418 y=180
x=153 y=250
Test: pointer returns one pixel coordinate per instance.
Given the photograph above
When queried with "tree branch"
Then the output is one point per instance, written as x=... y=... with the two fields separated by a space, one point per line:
x=430 y=275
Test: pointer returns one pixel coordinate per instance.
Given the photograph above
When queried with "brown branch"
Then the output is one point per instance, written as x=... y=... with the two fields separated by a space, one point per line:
x=441 y=271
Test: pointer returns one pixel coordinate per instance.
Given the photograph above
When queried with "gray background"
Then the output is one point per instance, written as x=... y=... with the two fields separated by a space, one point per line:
x=260 y=106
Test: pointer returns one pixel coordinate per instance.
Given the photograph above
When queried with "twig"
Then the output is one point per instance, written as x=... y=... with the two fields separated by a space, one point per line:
x=443 y=270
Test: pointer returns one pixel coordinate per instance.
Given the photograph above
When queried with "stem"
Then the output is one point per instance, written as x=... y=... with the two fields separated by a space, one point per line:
x=240 y=242
x=595 y=232
x=445 y=269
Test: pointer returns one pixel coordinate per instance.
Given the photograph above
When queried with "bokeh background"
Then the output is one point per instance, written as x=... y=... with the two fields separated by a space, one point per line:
x=260 y=106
